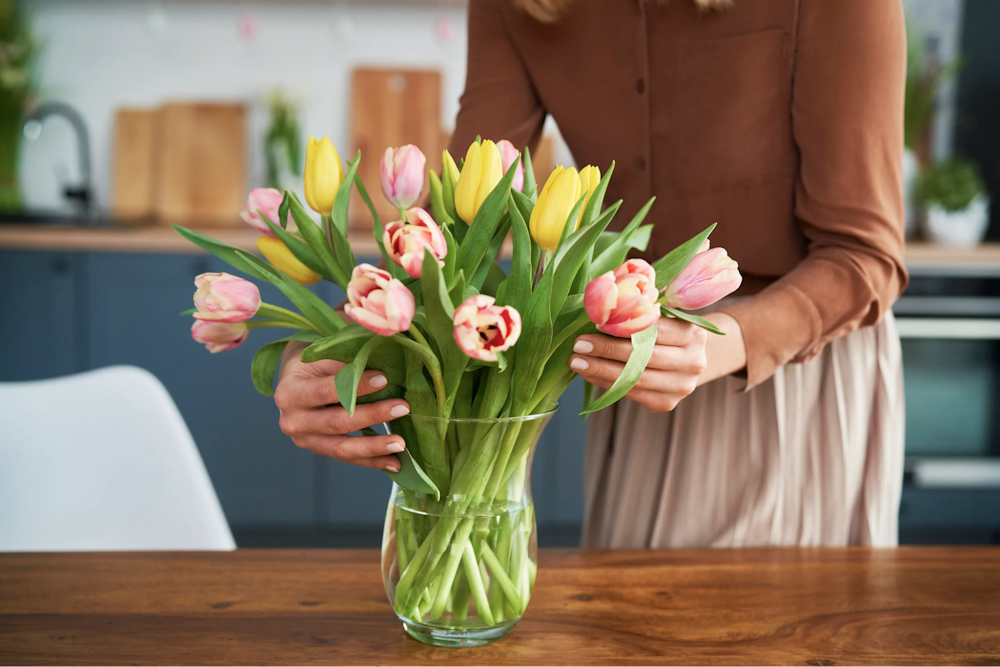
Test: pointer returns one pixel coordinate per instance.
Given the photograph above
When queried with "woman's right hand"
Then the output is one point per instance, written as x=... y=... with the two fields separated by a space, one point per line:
x=307 y=399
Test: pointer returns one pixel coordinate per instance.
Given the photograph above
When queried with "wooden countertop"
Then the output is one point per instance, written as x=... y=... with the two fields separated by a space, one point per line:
x=754 y=606
x=920 y=257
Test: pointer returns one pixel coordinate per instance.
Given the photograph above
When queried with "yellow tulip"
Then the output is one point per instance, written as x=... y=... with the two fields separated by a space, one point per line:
x=323 y=175
x=482 y=171
x=282 y=259
x=553 y=207
x=590 y=176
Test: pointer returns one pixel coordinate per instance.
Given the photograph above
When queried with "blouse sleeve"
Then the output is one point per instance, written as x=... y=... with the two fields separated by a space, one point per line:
x=499 y=101
x=847 y=117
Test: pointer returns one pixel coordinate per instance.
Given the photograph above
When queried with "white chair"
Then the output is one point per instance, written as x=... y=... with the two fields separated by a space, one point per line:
x=102 y=461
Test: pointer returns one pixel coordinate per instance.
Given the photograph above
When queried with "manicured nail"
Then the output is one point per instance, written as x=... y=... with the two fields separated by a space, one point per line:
x=583 y=347
x=394 y=447
x=392 y=467
x=399 y=411
x=377 y=382
x=579 y=364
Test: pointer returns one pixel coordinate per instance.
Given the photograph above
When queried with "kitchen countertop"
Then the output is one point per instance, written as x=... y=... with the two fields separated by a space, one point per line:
x=754 y=606
x=153 y=238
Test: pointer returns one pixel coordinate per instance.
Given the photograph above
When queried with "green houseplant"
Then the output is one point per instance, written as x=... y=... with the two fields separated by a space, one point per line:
x=956 y=202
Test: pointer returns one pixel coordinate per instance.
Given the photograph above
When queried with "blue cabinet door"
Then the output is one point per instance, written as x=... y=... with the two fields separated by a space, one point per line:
x=134 y=303
x=42 y=317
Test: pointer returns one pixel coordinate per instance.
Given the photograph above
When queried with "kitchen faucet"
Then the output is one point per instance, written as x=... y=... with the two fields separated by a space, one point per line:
x=81 y=194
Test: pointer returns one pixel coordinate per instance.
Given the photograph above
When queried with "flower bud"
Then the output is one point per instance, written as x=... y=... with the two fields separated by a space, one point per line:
x=222 y=297
x=379 y=302
x=710 y=276
x=402 y=175
x=548 y=218
x=482 y=171
x=285 y=261
x=406 y=240
x=623 y=302
x=220 y=336
x=482 y=329
x=507 y=156
x=264 y=203
x=590 y=178
x=323 y=175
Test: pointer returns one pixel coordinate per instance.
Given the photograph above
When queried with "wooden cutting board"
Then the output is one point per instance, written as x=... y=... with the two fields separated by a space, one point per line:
x=201 y=164
x=133 y=190
x=392 y=107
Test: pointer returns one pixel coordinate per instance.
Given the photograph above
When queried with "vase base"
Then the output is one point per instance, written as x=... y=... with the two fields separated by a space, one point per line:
x=457 y=637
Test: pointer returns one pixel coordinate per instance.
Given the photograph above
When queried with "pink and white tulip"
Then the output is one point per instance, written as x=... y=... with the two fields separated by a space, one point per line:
x=406 y=240
x=623 y=302
x=710 y=276
x=222 y=297
x=220 y=336
x=507 y=156
x=402 y=175
x=265 y=203
x=379 y=302
x=482 y=329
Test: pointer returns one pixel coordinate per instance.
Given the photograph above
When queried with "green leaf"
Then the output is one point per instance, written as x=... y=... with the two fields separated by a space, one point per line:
x=223 y=251
x=450 y=259
x=489 y=258
x=299 y=248
x=484 y=226
x=314 y=308
x=349 y=376
x=430 y=432
x=440 y=315
x=189 y=311
x=597 y=198
x=643 y=343
x=571 y=258
x=345 y=342
x=412 y=477
x=614 y=254
x=529 y=174
x=670 y=265
x=494 y=277
x=265 y=363
x=437 y=200
x=693 y=319
x=456 y=290
x=524 y=204
x=343 y=199
x=588 y=395
x=516 y=289
x=533 y=345
x=368 y=202
x=316 y=240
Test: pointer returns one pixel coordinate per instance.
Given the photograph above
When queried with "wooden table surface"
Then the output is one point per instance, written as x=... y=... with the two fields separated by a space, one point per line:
x=756 y=606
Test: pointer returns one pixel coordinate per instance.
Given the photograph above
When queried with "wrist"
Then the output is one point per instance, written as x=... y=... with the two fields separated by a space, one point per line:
x=727 y=354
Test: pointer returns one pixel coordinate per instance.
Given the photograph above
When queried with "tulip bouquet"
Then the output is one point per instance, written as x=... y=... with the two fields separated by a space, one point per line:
x=480 y=353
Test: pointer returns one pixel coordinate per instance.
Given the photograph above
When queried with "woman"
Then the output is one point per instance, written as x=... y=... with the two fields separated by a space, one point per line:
x=782 y=121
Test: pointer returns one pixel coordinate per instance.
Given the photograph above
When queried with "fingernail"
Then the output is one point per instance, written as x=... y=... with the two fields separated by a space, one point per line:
x=394 y=447
x=579 y=364
x=377 y=382
x=392 y=467
x=583 y=347
x=399 y=411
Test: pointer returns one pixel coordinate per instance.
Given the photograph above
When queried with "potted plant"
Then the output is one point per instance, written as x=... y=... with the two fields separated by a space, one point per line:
x=956 y=202
x=17 y=50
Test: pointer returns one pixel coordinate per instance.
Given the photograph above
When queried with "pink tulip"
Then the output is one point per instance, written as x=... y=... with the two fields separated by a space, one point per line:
x=220 y=336
x=482 y=329
x=222 y=297
x=402 y=173
x=406 y=241
x=507 y=156
x=264 y=203
x=379 y=302
x=623 y=302
x=711 y=275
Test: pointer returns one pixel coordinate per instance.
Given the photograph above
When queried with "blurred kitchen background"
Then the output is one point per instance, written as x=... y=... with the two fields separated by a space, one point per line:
x=101 y=159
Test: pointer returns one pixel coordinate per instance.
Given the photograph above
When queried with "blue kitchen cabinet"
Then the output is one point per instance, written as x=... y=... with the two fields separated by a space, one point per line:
x=134 y=304
x=42 y=333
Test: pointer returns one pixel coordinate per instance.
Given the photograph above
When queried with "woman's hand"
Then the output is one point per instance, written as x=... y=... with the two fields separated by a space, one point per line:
x=306 y=396
x=685 y=356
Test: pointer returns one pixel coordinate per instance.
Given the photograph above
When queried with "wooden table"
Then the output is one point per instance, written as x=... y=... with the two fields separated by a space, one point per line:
x=758 y=606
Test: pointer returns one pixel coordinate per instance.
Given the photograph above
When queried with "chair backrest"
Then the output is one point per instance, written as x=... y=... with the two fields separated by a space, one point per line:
x=102 y=461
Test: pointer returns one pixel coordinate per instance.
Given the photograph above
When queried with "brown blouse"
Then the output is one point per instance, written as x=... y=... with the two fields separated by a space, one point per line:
x=779 y=119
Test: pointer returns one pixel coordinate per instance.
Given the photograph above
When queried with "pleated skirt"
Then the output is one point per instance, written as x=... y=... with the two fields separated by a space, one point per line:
x=812 y=457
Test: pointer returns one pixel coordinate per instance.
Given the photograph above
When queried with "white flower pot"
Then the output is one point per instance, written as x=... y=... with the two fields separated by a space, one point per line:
x=911 y=170
x=960 y=229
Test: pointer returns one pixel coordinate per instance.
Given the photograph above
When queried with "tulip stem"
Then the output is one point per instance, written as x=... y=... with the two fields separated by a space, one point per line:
x=272 y=323
x=420 y=345
x=279 y=313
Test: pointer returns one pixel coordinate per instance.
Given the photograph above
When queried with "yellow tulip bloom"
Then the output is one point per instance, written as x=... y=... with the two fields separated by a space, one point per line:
x=482 y=171
x=323 y=175
x=553 y=207
x=590 y=177
x=282 y=259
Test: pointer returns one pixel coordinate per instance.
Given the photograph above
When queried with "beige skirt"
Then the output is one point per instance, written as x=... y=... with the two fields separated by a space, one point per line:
x=814 y=456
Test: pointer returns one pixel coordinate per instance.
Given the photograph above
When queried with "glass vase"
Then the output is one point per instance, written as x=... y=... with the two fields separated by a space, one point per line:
x=459 y=569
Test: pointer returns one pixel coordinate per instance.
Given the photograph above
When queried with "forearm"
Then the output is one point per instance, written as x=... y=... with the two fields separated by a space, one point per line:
x=727 y=354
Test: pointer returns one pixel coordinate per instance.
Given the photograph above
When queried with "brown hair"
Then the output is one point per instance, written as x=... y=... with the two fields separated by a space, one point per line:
x=550 y=10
